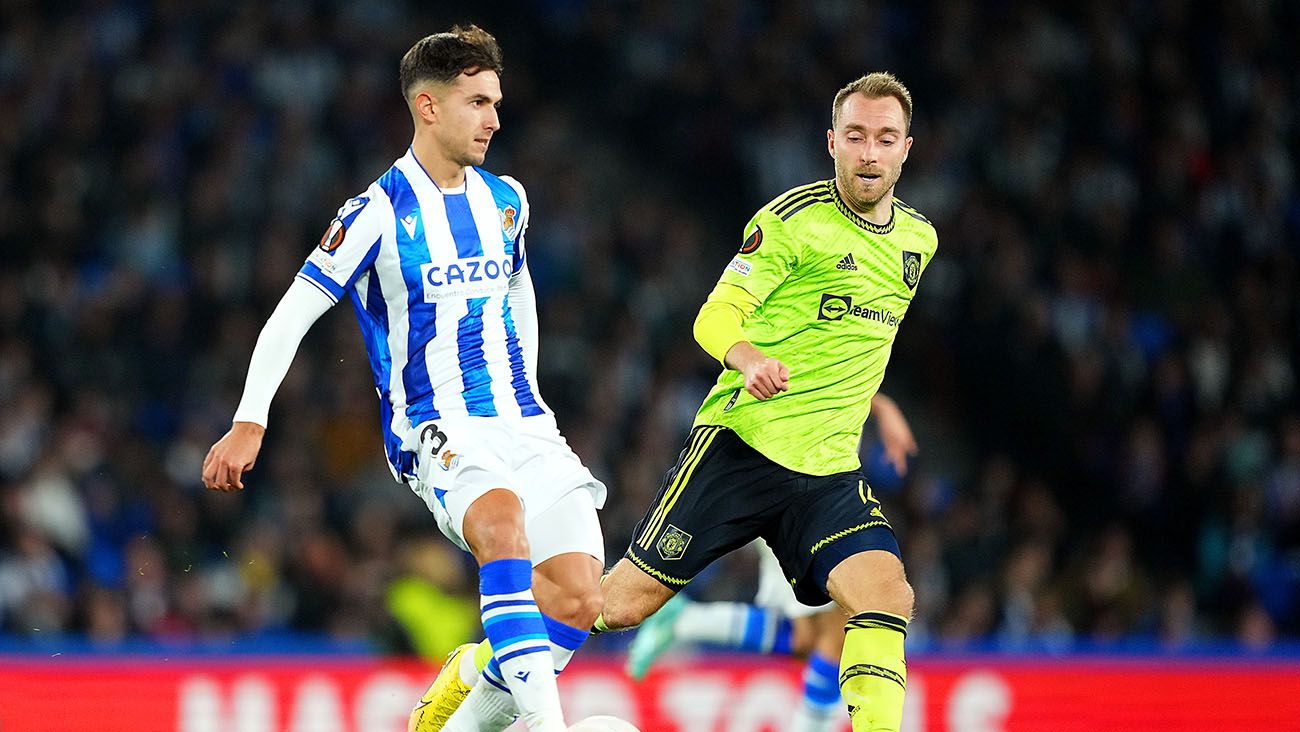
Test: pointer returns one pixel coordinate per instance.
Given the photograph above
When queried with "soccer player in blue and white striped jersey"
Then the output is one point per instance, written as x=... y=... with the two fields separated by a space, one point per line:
x=432 y=259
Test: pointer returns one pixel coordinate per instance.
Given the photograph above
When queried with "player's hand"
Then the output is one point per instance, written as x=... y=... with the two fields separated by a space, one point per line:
x=235 y=453
x=765 y=377
x=895 y=433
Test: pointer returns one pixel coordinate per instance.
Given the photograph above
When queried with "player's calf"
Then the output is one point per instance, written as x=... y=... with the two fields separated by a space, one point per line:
x=523 y=663
x=873 y=673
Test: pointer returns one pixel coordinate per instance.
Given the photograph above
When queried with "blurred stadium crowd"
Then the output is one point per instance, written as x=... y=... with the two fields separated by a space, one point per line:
x=1100 y=364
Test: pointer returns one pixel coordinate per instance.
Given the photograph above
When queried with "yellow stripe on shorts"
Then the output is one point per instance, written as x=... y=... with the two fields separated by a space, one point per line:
x=699 y=444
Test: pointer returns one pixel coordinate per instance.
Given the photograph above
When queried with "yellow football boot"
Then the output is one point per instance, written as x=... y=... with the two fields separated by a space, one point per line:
x=444 y=697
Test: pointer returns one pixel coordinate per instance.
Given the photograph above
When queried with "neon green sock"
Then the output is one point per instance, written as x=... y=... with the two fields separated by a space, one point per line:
x=482 y=655
x=873 y=674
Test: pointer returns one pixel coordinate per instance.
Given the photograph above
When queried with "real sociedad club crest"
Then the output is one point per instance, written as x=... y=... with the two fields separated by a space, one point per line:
x=508 y=221
x=449 y=460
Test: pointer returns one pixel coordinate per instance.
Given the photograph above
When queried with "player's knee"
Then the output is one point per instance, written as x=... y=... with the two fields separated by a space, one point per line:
x=498 y=540
x=893 y=596
x=617 y=615
x=494 y=527
x=871 y=581
x=624 y=612
x=902 y=597
x=577 y=609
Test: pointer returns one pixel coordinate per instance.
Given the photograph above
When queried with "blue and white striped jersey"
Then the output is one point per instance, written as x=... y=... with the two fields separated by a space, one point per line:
x=437 y=281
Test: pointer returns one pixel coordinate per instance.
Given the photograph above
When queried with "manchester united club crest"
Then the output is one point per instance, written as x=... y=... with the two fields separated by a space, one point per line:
x=508 y=220
x=672 y=545
x=911 y=269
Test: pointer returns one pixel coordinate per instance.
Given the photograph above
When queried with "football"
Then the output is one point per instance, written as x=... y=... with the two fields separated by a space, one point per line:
x=603 y=723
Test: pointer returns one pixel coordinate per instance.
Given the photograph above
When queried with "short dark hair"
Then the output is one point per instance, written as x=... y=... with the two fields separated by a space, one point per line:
x=442 y=57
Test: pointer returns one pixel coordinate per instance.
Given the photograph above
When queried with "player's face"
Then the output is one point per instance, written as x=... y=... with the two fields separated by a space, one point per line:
x=467 y=117
x=869 y=146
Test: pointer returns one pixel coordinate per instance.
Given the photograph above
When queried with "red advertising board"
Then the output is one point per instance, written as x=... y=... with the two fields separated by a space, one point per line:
x=259 y=694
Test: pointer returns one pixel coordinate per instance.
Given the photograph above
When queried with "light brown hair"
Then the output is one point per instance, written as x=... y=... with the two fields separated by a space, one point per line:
x=875 y=86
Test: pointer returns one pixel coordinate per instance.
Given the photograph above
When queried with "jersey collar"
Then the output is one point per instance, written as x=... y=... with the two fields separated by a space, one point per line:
x=852 y=215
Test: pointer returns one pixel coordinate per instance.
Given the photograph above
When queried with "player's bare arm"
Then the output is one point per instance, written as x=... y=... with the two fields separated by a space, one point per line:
x=895 y=432
x=232 y=456
x=764 y=377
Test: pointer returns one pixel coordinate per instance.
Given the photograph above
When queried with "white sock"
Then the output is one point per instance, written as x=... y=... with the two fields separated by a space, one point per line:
x=737 y=625
x=522 y=661
x=469 y=673
x=809 y=718
x=485 y=709
x=721 y=623
x=820 y=705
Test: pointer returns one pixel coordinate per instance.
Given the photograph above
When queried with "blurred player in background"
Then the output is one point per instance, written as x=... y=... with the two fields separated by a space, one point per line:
x=432 y=257
x=803 y=320
x=776 y=622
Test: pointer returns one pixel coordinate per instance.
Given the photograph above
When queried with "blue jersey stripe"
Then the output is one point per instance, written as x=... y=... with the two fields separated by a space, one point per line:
x=473 y=361
x=469 y=334
x=506 y=197
x=313 y=275
x=518 y=378
x=463 y=229
x=372 y=316
x=412 y=251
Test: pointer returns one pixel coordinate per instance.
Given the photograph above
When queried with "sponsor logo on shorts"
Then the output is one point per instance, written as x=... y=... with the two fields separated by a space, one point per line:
x=672 y=545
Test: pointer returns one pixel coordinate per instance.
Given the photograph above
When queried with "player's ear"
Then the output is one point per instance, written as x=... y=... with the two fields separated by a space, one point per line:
x=424 y=106
x=830 y=143
x=907 y=147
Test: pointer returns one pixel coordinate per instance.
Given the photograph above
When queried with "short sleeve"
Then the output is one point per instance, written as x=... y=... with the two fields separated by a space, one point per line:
x=766 y=258
x=350 y=244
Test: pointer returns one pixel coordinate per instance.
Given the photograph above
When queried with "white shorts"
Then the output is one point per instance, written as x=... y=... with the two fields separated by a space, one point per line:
x=774 y=590
x=458 y=459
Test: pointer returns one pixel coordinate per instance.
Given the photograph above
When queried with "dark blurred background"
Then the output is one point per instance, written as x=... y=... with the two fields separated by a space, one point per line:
x=1100 y=364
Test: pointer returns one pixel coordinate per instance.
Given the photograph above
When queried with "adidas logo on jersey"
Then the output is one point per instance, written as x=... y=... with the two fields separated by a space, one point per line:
x=848 y=263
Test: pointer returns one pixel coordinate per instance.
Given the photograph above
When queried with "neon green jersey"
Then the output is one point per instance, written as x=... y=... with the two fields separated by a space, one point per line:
x=834 y=288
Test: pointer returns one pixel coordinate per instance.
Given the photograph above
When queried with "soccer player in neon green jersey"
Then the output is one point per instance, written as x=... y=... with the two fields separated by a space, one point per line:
x=803 y=320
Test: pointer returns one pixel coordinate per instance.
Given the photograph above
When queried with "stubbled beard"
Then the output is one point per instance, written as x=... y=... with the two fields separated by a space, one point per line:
x=470 y=159
x=849 y=178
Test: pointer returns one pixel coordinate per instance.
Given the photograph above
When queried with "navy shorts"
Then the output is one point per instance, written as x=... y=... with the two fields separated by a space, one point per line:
x=722 y=494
